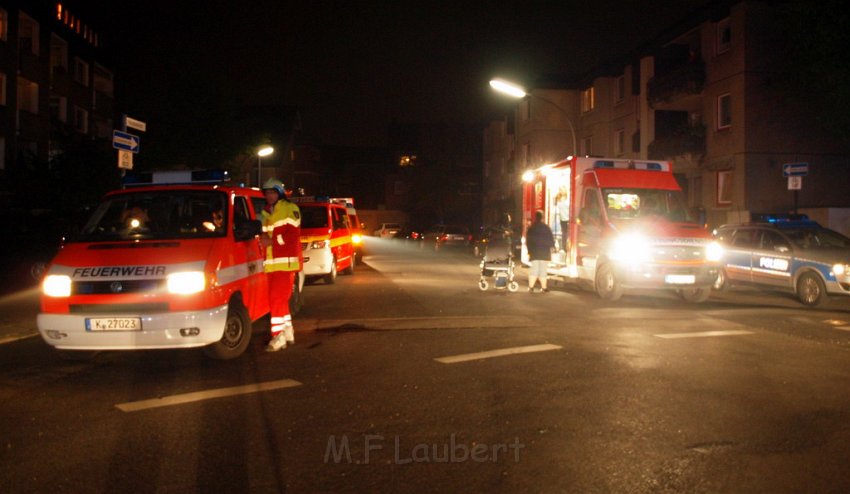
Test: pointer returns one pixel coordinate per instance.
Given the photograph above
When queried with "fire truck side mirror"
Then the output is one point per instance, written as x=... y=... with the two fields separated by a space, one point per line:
x=248 y=230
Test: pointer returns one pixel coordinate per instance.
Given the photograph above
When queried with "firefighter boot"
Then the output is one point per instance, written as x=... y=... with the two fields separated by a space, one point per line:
x=277 y=342
x=289 y=333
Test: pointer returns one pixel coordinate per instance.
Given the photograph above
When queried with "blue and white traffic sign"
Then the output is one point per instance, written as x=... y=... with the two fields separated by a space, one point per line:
x=795 y=169
x=125 y=141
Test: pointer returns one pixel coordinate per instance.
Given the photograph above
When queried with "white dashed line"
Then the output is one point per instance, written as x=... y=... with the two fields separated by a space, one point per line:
x=135 y=406
x=497 y=353
x=704 y=334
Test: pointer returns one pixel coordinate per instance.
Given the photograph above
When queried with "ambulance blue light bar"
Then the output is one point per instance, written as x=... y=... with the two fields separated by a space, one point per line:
x=779 y=217
x=304 y=199
x=175 y=177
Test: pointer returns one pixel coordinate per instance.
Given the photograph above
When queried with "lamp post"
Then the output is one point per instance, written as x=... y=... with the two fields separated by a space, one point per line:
x=516 y=91
x=263 y=151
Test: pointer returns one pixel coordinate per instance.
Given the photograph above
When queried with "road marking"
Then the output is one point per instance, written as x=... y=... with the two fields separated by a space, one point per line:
x=497 y=353
x=10 y=339
x=410 y=323
x=703 y=334
x=135 y=406
x=838 y=324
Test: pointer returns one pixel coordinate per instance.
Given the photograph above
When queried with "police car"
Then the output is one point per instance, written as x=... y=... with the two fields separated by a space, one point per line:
x=786 y=252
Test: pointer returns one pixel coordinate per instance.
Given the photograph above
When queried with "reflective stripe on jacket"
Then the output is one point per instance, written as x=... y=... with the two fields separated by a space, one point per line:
x=283 y=226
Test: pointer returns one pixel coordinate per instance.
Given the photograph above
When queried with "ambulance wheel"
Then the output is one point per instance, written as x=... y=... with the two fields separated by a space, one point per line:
x=236 y=337
x=721 y=283
x=483 y=285
x=350 y=269
x=607 y=285
x=811 y=290
x=695 y=295
x=330 y=278
x=513 y=286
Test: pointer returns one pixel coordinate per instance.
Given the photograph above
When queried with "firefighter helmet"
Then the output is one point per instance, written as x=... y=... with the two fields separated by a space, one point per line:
x=274 y=184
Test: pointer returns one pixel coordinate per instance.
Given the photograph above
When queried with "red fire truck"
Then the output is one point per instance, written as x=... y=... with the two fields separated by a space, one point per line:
x=621 y=224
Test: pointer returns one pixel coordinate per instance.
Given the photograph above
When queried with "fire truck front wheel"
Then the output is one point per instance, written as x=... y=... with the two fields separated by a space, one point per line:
x=607 y=285
x=330 y=278
x=237 y=334
x=695 y=295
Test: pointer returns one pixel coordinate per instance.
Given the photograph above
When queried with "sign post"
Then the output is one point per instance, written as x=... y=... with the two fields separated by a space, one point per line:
x=795 y=173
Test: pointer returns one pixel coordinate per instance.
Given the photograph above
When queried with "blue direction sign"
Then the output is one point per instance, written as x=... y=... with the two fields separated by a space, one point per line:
x=125 y=141
x=795 y=169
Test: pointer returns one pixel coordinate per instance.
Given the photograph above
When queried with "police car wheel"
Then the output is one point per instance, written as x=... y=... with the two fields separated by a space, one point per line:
x=607 y=285
x=236 y=337
x=811 y=290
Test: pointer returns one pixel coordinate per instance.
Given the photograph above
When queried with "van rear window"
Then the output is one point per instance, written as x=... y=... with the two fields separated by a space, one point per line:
x=314 y=216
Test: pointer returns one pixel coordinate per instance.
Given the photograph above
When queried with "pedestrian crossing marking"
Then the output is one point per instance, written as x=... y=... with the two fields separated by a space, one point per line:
x=702 y=334
x=497 y=353
x=135 y=406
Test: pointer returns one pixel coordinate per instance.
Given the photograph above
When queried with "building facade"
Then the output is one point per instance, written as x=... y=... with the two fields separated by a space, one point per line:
x=706 y=99
x=56 y=85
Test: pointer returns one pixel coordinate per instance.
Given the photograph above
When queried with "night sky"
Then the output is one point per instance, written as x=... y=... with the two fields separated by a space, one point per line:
x=353 y=67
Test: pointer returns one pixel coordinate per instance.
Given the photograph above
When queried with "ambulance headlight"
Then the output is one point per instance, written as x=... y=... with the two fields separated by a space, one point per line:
x=630 y=248
x=356 y=239
x=840 y=269
x=320 y=244
x=186 y=283
x=713 y=252
x=56 y=285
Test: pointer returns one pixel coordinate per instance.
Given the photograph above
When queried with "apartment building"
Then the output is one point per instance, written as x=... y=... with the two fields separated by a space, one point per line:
x=56 y=87
x=706 y=98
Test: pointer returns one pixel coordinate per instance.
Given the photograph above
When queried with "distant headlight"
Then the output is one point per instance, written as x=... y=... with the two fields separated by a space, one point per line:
x=630 y=248
x=320 y=244
x=356 y=239
x=186 y=283
x=713 y=252
x=56 y=285
x=840 y=269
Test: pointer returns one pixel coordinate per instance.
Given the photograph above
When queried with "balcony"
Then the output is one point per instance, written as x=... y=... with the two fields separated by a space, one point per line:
x=683 y=140
x=687 y=79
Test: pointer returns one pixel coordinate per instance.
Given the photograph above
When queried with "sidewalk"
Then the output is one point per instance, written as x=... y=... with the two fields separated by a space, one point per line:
x=18 y=311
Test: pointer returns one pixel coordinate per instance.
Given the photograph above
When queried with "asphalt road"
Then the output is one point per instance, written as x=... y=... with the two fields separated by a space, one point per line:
x=405 y=377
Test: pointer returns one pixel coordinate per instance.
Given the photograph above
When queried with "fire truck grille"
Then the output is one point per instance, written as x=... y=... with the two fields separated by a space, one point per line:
x=118 y=308
x=677 y=253
x=118 y=287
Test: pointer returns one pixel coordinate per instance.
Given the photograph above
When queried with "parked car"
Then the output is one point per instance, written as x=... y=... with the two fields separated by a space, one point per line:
x=442 y=236
x=786 y=252
x=387 y=230
x=410 y=234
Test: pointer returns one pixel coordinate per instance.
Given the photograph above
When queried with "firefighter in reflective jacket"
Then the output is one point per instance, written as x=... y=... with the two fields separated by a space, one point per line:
x=282 y=240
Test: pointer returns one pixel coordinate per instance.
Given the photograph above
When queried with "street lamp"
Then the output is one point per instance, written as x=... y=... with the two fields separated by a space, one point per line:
x=263 y=151
x=516 y=91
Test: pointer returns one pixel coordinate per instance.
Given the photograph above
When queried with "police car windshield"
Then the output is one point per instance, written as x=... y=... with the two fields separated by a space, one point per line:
x=646 y=203
x=172 y=214
x=817 y=238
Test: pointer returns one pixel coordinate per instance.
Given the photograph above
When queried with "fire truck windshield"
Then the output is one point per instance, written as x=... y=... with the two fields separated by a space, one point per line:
x=173 y=214
x=625 y=204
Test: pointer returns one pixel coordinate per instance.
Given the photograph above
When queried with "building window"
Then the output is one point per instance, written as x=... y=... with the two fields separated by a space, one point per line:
x=27 y=34
x=81 y=120
x=620 y=90
x=4 y=24
x=724 y=36
x=587 y=146
x=27 y=95
x=103 y=80
x=619 y=142
x=407 y=160
x=588 y=99
x=81 y=72
x=58 y=108
x=58 y=53
x=725 y=187
x=724 y=111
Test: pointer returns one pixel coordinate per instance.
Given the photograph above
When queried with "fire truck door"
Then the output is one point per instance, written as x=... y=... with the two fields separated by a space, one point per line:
x=589 y=227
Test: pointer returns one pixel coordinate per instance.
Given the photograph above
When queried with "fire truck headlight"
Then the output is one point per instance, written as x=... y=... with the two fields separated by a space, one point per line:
x=713 y=252
x=630 y=248
x=56 y=285
x=186 y=283
x=320 y=244
x=356 y=239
